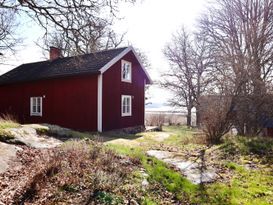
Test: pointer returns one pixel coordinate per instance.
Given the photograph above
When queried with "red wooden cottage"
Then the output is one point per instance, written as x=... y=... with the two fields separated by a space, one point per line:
x=96 y=92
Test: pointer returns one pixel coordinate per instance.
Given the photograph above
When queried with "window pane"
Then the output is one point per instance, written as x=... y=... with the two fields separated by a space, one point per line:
x=123 y=101
x=34 y=108
x=124 y=71
x=123 y=109
x=38 y=109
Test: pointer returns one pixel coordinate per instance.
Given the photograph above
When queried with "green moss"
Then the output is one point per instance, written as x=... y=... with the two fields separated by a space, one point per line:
x=5 y=136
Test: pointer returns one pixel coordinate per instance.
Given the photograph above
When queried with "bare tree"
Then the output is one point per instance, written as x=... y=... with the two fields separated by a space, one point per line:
x=90 y=41
x=7 y=28
x=188 y=56
x=84 y=25
x=240 y=32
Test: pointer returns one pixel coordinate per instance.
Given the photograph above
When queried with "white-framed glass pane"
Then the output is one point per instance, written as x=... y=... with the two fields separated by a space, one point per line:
x=38 y=109
x=126 y=106
x=34 y=110
x=36 y=105
x=126 y=70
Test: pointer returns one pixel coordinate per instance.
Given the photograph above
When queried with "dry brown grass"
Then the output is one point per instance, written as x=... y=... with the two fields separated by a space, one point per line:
x=72 y=174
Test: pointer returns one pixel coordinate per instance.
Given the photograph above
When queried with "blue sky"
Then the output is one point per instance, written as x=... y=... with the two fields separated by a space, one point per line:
x=149 y=25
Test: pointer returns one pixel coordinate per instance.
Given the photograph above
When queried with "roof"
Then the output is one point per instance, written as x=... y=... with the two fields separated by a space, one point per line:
x=266 y=121
x=93 y=63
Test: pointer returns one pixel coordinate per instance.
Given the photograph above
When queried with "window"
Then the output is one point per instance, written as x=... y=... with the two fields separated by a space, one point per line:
x=36 y=104
x=126 y=105
x=126 y=71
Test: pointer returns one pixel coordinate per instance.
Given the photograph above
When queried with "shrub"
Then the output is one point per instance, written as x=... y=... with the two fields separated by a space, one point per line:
x=157 y=119
x=216 y=117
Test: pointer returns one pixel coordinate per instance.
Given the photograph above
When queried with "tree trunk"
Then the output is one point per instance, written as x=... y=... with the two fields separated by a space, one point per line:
x=198 y=120
x=189 y=117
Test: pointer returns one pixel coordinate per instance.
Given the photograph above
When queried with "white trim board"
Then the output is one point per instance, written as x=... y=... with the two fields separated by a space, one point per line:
x=118 y=57
x=99 y=120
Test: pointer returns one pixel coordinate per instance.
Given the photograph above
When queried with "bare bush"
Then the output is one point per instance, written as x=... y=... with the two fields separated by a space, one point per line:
x=216 y=115
x=76 y=171
x=155 y=119
x=8 y=117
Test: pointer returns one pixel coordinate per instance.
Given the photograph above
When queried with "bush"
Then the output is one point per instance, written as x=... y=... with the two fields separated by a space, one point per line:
x=216 y=116
x=155 y=119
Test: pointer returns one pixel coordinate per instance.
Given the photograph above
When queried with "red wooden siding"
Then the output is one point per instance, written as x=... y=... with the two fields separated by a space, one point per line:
x=270 y=132
x=68 y=102
x=113 y=88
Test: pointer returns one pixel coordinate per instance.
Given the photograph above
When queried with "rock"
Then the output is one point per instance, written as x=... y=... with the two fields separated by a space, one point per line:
x=160 y=154
x=145 y=183
x=191 y=170
x=133 y=202
x=7 y=153
x=27 y=135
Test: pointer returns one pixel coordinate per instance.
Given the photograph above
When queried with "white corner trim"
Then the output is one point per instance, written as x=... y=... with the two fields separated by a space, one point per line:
x=99 y=120
x=118 y=57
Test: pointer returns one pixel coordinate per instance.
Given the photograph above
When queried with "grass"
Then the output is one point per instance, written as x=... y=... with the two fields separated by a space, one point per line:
x=8 y=124
x=182 y=135
x=245 y=186
x=5 y=124
x=159 y=172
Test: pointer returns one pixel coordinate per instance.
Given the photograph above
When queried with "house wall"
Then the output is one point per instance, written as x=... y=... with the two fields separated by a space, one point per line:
x=270 y=132
x=113 y=88
x=68 y=102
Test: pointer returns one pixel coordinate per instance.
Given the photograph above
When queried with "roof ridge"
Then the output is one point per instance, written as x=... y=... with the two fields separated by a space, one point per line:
x=75 y=56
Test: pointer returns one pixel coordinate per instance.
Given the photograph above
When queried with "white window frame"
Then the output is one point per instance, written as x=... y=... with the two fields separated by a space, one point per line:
x=123 y=62
x=129 y=112
x=35 y=100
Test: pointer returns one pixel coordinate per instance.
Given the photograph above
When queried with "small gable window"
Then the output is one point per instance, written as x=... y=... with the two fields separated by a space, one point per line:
x=126 y=71
x=36 y=105
x=126 y=105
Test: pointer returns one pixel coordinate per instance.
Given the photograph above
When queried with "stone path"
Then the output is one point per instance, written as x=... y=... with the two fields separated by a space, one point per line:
x=191 y=170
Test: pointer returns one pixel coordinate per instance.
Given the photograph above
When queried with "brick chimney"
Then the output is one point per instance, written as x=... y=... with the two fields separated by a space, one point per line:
x=54 y=53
